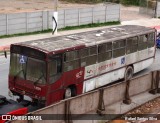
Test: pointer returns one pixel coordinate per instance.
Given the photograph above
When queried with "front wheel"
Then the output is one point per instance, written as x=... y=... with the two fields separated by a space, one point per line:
x=128 y=73
x=70 y=92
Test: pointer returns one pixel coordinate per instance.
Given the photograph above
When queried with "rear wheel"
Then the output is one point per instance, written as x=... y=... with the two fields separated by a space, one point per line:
x=70 y=92
x=129 y=73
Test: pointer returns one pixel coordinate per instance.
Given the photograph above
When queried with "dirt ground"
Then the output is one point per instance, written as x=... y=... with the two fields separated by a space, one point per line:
x=152 y=107
x=14 y=6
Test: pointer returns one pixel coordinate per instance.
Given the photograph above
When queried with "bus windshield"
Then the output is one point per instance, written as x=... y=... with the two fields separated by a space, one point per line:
x=28 y=68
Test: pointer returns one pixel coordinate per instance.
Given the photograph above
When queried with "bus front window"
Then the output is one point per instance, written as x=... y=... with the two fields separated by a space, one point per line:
x=28 y=68
x=17 y=69
x=36 y=71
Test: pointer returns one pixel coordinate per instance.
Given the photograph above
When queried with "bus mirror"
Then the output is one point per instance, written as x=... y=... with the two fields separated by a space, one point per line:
x=5 y=53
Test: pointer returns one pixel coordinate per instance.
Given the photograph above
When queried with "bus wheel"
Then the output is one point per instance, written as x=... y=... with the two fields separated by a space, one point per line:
x=70 y=92
x=128 y=73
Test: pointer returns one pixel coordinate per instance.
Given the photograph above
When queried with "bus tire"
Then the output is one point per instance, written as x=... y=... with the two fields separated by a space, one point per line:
x=70 y=92
x=129 y=73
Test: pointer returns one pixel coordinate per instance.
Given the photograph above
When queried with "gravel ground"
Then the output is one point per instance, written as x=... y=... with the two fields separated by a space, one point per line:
x=14 y=6
x=148 y=109
x=152 y=106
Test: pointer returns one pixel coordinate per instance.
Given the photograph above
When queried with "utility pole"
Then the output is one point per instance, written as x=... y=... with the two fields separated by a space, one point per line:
x=155 y=11
x=56 y=5
x=55 y=17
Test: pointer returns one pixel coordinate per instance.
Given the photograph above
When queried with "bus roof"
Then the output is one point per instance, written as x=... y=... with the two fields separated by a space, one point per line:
x=86 y=39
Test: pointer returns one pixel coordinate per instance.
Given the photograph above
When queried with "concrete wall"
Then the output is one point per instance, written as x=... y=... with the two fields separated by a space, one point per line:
x=42 y=20
x=88 y=102
x=158 y=10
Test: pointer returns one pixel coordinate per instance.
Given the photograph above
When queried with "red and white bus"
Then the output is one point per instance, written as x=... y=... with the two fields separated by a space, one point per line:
x=49 y=70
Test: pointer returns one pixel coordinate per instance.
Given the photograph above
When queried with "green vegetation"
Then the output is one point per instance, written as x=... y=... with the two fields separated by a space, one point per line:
x=29 y=33
x=125 y=2
x=90 y=25
x=66 y=28
x=130 y=2
x=84 y=1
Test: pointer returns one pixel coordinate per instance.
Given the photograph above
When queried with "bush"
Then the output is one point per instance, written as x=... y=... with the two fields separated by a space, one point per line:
x=130 y=2
x=125 y=2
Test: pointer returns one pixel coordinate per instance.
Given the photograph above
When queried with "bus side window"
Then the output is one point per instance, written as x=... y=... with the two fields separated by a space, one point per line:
x=55 y=69
x=102 y=48
x=142 y=42
x=90 y=56
x=71 y=60
x=132 y=45
x=119 y=48
x=84 y=52
x=72 y=55
x=71 y=65
x=92 y=59
x=104 y=52
x=93 y=50
x=151 y=40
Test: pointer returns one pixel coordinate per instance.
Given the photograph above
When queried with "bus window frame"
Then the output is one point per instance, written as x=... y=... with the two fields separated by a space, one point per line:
x=26 y=68
x=58 y=74
x=64 y=60
x=105 y=52
x=89 y=56
x=141 y=43
x=131 y=46
x=149 y=42
x=119 y=48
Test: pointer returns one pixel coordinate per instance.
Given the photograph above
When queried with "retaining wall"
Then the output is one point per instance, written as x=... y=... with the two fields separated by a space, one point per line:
x=88 y=102
x=42 y=20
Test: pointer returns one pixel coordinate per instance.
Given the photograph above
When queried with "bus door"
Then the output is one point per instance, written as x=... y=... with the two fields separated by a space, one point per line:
x=55 y=79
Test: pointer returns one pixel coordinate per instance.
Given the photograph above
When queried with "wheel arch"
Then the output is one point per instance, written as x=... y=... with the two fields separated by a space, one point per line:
x=72 y=87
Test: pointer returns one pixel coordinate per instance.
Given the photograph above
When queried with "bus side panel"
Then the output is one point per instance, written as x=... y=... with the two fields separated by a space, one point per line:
x=131 y=58
x=151 y=51
x=74 y=77
x=104 y=73
x=142 y=65
x=104 y=67
x=103 y=79
x=79 y=87
x=143 y=54
x=55 y=91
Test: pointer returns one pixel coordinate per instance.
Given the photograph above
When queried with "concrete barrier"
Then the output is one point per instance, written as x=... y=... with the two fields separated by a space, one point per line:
x=95 y=100
x=42 y=20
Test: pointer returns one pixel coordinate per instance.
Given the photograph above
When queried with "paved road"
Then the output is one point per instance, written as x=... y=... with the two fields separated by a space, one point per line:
x=4 y=69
